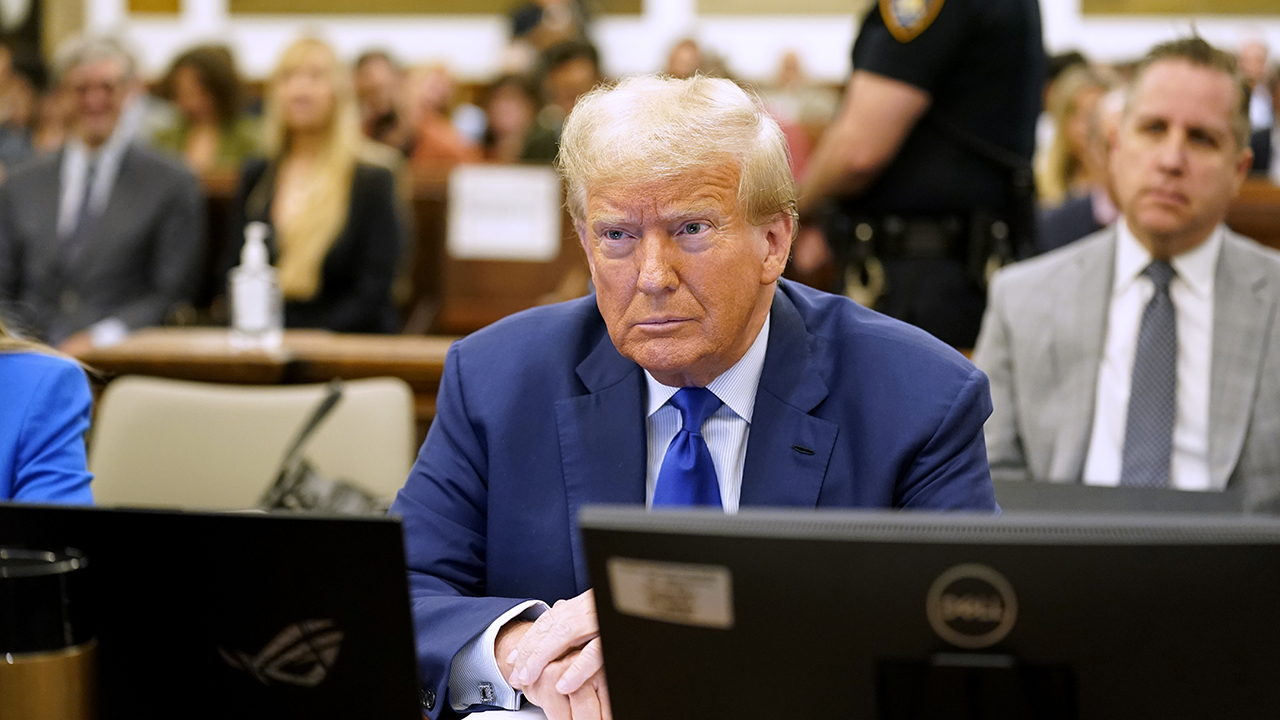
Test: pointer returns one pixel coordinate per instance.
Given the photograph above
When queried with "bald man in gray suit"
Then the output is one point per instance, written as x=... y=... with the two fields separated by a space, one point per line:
x=103 y=237
x=1146 y=354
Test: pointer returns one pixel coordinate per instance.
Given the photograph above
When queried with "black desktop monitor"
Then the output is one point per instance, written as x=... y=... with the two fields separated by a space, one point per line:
x=887 y=616
x=248 y=616
x=1077 y=497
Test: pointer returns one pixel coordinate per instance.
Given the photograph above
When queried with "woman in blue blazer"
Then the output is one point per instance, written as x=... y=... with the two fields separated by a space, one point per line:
x=44 y=414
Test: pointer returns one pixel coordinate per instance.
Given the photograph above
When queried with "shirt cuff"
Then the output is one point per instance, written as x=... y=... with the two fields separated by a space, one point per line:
x=108 y=332
x=474 y=678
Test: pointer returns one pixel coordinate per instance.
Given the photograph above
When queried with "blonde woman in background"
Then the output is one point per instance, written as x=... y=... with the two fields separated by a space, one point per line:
x=1061 y=172
x=44 y=414
x=328 y=195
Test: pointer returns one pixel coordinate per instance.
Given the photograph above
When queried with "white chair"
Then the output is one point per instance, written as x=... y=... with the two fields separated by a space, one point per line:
x=172 y=443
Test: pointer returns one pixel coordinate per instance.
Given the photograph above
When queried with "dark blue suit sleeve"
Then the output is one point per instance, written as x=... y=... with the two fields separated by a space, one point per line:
x=951 y=472
x=51 y=465
x=444 y=510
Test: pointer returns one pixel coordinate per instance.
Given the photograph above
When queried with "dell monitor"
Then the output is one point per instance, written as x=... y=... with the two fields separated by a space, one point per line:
x=896 y=616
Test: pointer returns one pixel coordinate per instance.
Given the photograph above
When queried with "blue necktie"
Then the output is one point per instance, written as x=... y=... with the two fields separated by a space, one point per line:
x=688 y=476
x=1153 y=393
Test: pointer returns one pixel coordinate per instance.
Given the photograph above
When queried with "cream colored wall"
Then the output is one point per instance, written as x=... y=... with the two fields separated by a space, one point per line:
x=753 y=45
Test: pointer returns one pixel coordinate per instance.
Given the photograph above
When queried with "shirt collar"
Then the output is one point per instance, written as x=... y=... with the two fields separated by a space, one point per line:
x=736 y=387
x=1195 y=267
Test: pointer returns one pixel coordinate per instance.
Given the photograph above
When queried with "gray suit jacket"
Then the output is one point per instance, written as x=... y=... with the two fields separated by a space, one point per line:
x=1041 y=345
x=142 y=256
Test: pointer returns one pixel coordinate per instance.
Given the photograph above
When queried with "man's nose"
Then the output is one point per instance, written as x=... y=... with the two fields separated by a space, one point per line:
x=657 y=272
x=1172 y=153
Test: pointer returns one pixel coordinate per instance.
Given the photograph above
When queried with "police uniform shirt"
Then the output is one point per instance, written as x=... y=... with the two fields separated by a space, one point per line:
x=982 y=63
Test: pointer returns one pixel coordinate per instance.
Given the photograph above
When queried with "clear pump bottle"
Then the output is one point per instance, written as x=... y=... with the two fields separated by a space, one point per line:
x=257 y=309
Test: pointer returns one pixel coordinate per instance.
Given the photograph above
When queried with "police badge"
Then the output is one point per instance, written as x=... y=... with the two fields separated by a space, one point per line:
x=906 y=19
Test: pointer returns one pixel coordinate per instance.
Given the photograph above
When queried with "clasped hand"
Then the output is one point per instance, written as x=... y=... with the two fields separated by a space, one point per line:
x=556 y=660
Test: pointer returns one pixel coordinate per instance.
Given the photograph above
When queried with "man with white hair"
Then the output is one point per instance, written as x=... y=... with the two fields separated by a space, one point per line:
x=103 y=237
x=693 y=376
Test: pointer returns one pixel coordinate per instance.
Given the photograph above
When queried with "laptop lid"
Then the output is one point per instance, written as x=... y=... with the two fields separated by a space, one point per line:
x=209 y=615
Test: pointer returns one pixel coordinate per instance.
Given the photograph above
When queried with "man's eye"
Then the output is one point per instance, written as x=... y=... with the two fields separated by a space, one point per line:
x=694 y=228
x=614 y=235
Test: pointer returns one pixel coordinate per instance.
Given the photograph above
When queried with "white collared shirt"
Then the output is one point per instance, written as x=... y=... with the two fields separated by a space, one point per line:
x=473 y=675
x=1192 y=293
x=75 y=166
x=725 y=431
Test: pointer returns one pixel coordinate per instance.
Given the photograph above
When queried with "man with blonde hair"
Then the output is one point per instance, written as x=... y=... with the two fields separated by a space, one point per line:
x=1145 y=354
x=693 y=376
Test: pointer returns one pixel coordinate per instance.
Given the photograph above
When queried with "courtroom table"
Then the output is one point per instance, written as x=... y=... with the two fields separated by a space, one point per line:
x=304 y=356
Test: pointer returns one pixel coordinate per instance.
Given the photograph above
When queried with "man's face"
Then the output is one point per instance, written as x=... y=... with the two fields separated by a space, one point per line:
x=1175 y=163
x=683 y=280
x=377 y=84
x=99 y=90
x=566 y=82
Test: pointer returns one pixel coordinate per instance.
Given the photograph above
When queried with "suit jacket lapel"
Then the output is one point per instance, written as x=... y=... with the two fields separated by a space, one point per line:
x=602 y=439
x=791 y=386
x=1080 y=328
x=1242 y=311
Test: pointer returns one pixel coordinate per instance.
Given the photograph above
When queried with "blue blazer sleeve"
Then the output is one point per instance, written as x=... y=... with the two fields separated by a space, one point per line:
x=444 y=511
x=46 y=430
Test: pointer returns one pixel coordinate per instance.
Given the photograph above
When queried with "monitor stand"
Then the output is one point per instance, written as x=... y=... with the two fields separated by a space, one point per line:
x=974 y=686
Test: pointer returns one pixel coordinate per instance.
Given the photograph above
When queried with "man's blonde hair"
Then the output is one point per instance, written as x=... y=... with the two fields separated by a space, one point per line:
x=654 y=127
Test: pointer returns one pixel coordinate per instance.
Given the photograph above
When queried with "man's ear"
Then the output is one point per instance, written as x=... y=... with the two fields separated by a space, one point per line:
x=777 y=236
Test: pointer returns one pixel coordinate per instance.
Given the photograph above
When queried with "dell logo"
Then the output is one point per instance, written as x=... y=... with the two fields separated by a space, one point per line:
x=971 y=606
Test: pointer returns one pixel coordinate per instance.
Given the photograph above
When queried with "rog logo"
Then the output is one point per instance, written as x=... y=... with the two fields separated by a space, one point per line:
x=302 y=654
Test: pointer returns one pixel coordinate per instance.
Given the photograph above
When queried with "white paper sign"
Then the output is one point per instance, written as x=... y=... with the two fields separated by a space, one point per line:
x=681 y=593
x=504 y=212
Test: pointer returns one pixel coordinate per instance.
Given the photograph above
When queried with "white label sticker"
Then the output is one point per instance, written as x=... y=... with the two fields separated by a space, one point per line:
x=680 y=593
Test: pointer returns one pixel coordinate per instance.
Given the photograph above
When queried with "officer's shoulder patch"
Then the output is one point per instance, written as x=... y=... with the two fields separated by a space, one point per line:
x=906 y=19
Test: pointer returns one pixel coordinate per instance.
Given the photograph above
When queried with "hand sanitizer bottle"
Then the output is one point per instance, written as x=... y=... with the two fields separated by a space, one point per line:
x=257 y=310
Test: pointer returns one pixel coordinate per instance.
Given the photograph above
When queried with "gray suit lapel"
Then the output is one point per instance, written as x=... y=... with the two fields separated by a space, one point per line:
x=1080 y=328
x=1241 y=315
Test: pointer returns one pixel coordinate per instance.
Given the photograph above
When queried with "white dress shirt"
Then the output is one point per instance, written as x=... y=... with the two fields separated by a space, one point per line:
x=473 y=674
x=1192 y=293
x=73 y=172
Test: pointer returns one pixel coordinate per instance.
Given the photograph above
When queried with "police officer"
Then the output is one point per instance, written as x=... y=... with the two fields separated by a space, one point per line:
x=924 y=177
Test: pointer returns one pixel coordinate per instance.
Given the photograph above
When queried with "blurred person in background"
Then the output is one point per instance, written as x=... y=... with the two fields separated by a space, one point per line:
x=1253 y=65
x=684 y=60
x=43 y=420
x=379 y=83
x=210 y=131
x=55 y=111
x=1064 y=170
x=538 y=25
x=437 y=140
x=801 y=106
x=924 y=179
x=1266 y=142
x=328 y=196
x=566 y=72
x=1144 y=355
x=1093 y=208
x=106 y=236
x=510 y=105
x=24 y=84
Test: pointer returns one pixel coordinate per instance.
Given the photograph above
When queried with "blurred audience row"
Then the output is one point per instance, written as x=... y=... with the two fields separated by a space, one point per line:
x=107 y=235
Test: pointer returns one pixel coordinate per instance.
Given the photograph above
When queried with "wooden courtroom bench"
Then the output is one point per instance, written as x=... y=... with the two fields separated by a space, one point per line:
x=305 y=356
x=1256 y=212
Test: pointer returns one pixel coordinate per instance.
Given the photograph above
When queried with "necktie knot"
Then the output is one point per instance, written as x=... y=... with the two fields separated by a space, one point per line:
x=1161 y=273
x=695 y=405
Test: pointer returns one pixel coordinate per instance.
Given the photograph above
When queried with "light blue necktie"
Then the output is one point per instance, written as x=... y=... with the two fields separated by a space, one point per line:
x=688 y=476
x=1153 y=393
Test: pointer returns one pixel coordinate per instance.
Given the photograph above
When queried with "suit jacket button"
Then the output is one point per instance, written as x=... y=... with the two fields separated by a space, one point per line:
x=428 y=699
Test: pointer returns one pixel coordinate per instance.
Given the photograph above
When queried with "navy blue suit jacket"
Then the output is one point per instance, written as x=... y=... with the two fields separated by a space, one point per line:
x=539 y=414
